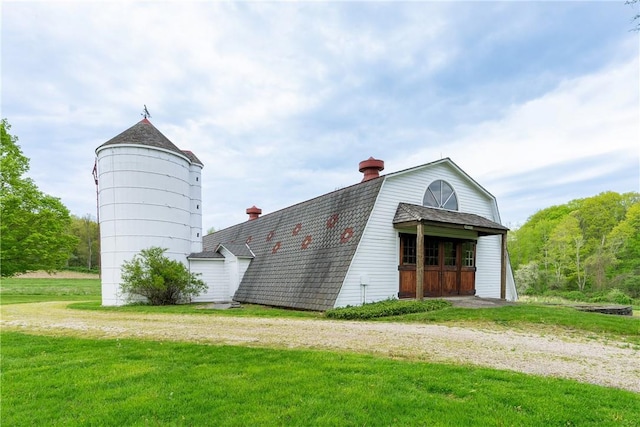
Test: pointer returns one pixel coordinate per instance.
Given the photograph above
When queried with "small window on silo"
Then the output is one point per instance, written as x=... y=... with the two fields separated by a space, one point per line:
x=197 y=179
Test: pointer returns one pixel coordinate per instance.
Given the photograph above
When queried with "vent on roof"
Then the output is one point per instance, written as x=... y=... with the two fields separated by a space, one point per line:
x=371 y=168
x=253 y=212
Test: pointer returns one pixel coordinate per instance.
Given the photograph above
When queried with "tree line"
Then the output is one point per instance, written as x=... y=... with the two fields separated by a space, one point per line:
x=86 y=253
x=587 y=245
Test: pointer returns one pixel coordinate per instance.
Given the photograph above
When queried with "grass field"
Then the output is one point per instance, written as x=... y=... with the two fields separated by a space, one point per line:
x=67 y=381
x=71 y=381
x=21 y=290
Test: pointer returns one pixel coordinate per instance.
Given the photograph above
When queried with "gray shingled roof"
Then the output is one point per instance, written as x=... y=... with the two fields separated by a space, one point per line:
x=303 y=252
x=205 y=255
x=408 y=213
x=144 y=133
x=192 y=157
x=240 y=250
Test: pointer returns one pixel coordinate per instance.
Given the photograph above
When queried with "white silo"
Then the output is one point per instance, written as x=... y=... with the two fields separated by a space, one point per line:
x=145 y=199
x=195 y=176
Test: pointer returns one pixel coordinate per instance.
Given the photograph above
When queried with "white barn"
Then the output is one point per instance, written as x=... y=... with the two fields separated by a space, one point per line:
x=358 y=244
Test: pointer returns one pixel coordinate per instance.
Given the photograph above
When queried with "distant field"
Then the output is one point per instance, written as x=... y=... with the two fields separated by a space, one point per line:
x=29 y=289
x=57 y=275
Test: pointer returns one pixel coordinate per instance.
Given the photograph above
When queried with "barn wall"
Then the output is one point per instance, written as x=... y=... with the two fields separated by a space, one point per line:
x=243 y=264
x=233 y=272
x=488 y=267
x=215 y=275
x=235 y=267
x=376 y=259
x=512 y=293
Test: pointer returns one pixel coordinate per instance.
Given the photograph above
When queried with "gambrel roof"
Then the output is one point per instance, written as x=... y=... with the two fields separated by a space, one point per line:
x=302 y=253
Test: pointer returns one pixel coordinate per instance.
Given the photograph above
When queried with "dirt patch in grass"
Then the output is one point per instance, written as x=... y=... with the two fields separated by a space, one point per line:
x=583 y=358
x=57 y=275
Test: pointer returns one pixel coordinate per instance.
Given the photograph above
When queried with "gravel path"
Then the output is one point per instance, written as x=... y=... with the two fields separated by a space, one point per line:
x=558 y=354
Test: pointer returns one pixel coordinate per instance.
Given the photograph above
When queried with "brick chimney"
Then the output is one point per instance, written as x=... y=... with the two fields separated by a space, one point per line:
x=253 y=212
x=370 y=168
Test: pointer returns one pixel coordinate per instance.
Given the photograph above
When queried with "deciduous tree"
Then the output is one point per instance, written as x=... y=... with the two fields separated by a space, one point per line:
x=624 y=240
x=34 y=227
x=636 y=17
x=87 y=252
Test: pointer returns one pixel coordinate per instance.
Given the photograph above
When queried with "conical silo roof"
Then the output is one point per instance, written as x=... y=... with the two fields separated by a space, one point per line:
x=143 y=133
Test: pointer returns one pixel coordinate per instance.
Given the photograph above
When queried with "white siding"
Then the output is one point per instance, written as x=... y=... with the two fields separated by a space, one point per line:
x=144 y=201
x=512 y=293
x=215 y=275
x=488 y=267
x=195 y=175
x=233 y=272
x=243 y=264
x=376 y=259
x=222 y=275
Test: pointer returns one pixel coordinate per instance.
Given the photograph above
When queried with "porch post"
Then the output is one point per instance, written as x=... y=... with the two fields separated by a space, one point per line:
x=503 y=268
x=420 y=261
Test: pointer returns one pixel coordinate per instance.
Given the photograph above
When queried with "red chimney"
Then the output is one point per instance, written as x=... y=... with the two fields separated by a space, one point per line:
x=370 y=168
x=253 y=212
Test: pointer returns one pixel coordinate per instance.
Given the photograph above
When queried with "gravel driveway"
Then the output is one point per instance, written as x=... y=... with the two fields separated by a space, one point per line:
x=542 y=352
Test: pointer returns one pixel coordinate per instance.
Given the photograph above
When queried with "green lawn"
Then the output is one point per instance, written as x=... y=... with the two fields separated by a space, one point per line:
x=21 y=290
x=69 y=381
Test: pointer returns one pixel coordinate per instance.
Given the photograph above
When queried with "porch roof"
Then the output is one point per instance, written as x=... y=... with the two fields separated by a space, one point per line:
x=410 y=215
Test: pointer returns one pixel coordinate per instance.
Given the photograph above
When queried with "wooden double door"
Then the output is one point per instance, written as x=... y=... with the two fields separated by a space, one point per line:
x=449 y=266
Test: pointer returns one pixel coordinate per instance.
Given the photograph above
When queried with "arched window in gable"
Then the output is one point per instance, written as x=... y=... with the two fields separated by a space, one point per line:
x=440 y=194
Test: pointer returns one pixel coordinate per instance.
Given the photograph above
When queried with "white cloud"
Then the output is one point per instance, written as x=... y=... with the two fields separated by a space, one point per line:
x=282 y=100
x=583 y=117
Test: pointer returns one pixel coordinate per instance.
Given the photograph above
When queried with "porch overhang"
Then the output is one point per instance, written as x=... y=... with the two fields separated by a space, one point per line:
x=409 y=216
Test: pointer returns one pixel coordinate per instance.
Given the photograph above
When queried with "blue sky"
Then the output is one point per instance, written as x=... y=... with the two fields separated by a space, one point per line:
x=538 y=101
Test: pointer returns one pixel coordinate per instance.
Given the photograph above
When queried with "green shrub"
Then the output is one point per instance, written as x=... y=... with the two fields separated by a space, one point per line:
x=614 y=295
x=568 y=295
x=617 y=296
x=598 y=297
x=162 y=281
x=390 y=307
x=631 y=285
